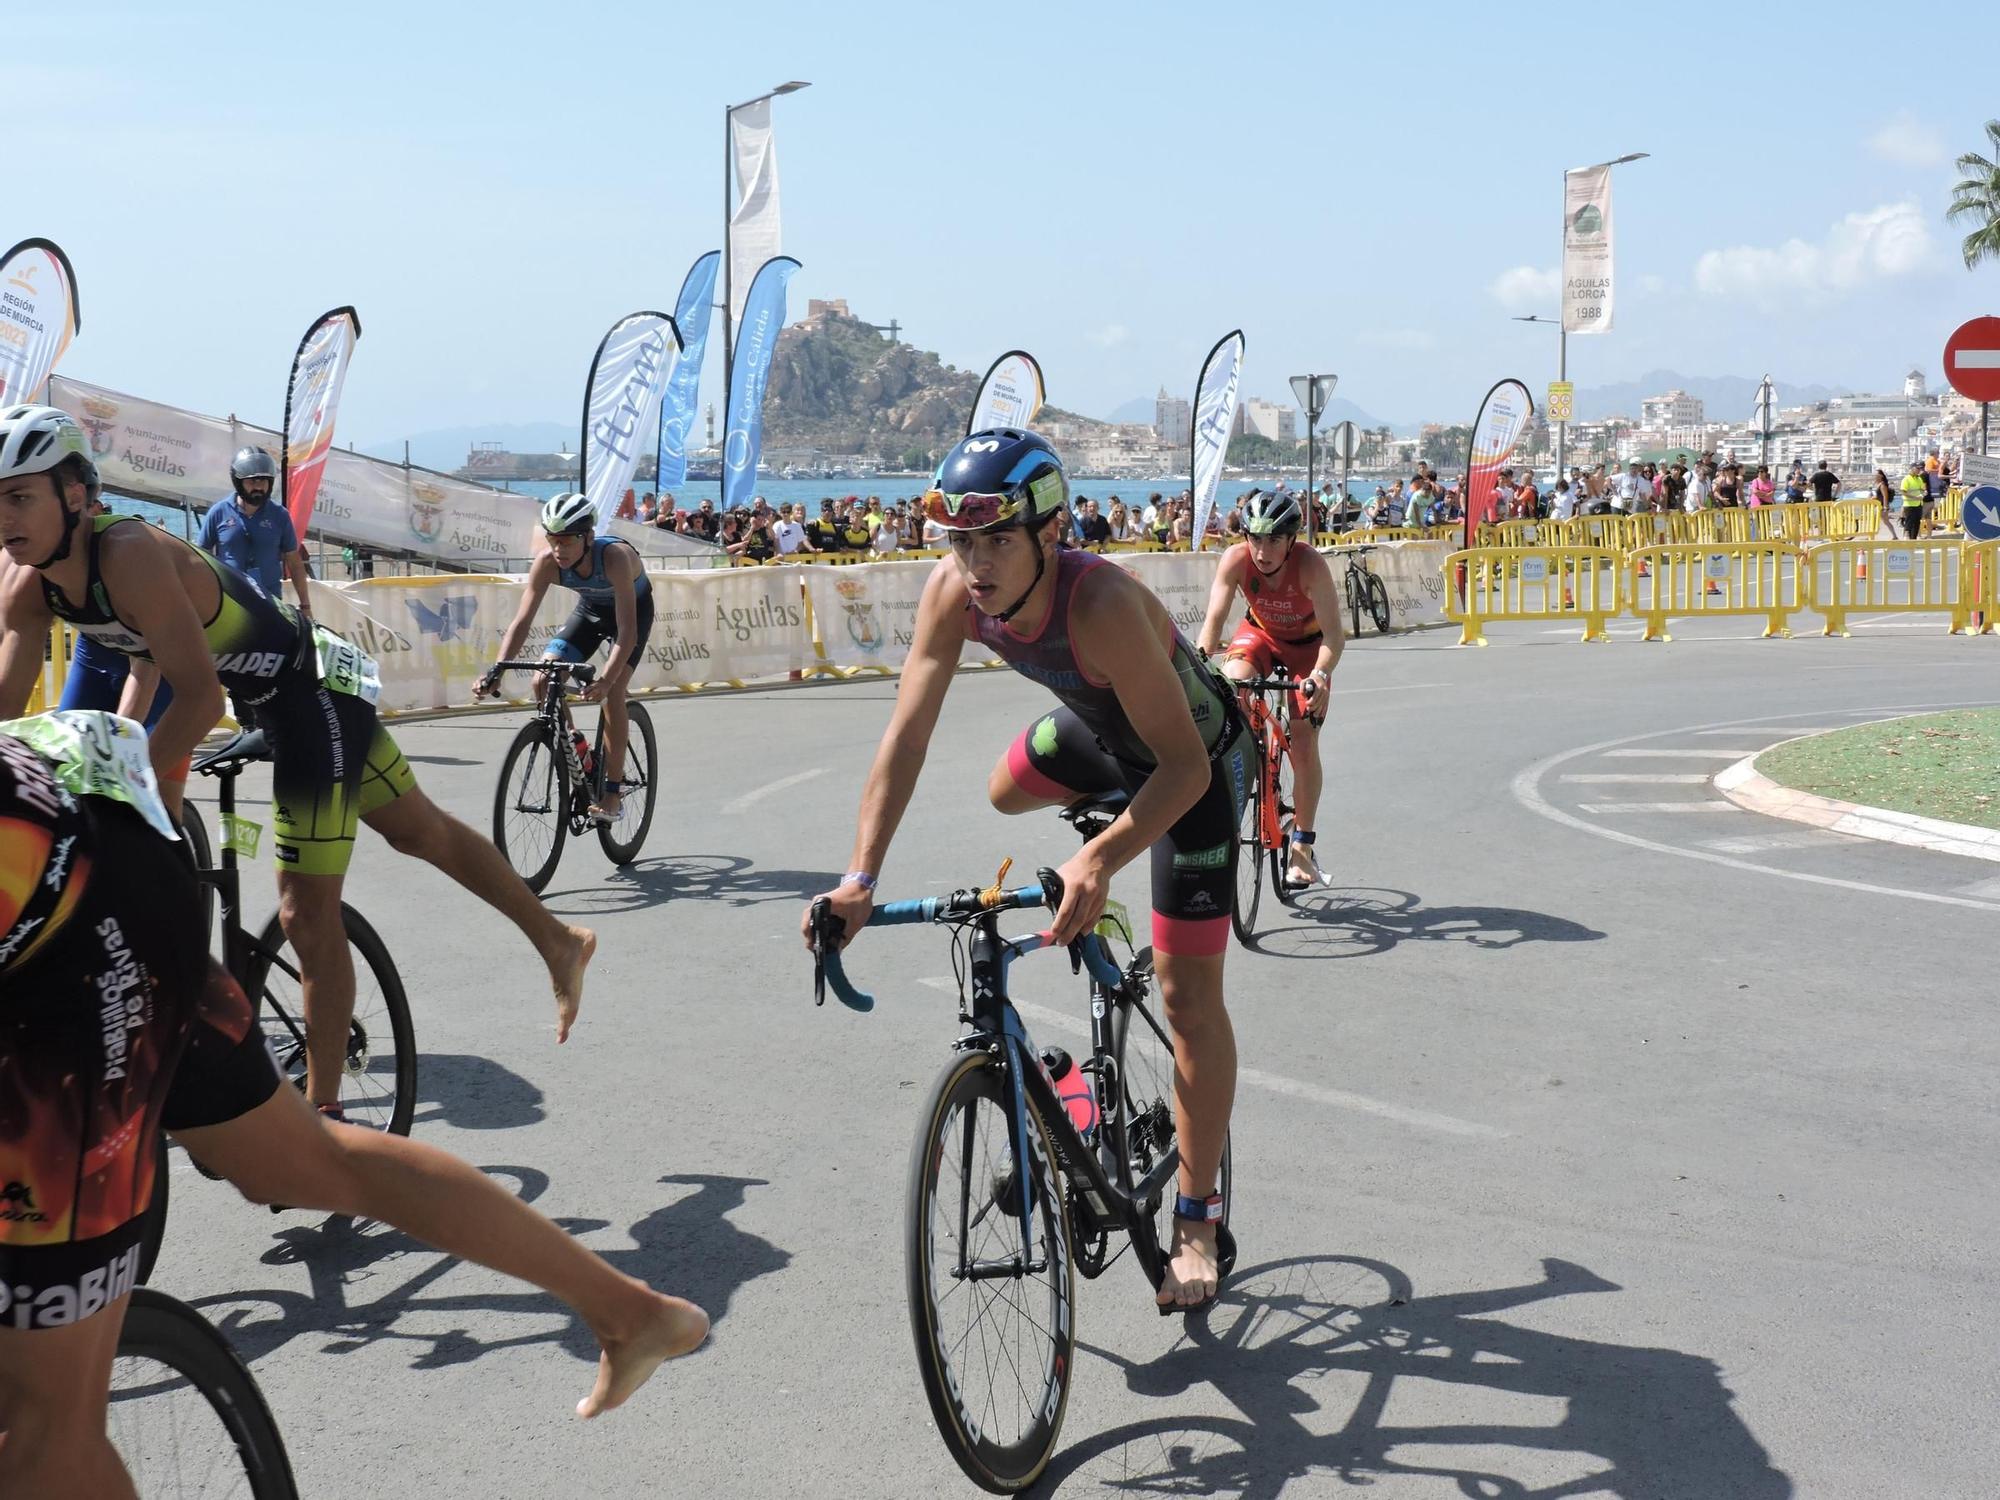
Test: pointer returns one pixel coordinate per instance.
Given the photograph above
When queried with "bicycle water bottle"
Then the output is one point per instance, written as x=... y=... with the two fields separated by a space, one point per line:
x=1073 y=1088
x=582 y=748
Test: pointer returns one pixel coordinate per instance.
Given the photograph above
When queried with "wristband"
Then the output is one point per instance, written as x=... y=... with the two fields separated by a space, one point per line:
x=859 y=877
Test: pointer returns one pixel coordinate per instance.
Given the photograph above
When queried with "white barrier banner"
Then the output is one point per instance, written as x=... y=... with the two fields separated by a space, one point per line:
x=1413 y=574
x=144 y=448
x=1181 y=580
x=867 y=613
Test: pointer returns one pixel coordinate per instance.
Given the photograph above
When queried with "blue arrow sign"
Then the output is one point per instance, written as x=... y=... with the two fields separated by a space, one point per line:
x=1982 y=513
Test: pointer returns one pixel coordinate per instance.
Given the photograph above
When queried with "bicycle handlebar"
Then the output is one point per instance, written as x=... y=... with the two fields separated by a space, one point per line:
x=581 y=671
x=1088 y=951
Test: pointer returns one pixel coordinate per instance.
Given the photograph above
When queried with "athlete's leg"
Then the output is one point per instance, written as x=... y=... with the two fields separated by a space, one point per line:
x=1307 y=777
x=394 y=806
x=617 y=726
x=53 y=1387
x=309 y=910
x=1055 y=761
x=279 y=1152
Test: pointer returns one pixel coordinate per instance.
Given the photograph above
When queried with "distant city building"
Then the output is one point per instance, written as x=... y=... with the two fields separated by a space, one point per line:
x=1266 y=419
x=1173 y=420
x=1674 y=409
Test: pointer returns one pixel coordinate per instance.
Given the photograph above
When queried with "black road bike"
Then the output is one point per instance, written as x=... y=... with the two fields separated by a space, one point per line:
x=185 y=1415
x=551 y=777
x=1363 y=591
x=1025 y=1168
x=379 y=1083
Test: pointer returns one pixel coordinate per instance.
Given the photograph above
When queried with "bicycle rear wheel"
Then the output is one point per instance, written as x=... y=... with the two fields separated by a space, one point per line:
x=378 y=1088
x=1378 y=603
x=624 y=835
x=995 y=1351
x=1143 y=1050
x=531 y=805
x=184 y=1414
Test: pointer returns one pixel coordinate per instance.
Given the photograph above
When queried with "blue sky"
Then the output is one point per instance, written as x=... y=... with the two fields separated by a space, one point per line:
x=1369 y=191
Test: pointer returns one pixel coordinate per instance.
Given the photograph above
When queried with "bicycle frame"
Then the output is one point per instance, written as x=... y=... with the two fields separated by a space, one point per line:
x=1270 y=731
x=553 y=709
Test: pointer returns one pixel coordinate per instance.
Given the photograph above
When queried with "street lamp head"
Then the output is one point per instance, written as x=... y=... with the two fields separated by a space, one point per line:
x=1619 y=161
x=794 y=87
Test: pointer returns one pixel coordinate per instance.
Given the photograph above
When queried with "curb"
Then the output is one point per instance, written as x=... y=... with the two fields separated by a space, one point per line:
x=1755 y=792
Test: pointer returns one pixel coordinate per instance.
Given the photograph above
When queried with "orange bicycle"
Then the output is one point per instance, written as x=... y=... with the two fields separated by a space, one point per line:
x=1269 y=706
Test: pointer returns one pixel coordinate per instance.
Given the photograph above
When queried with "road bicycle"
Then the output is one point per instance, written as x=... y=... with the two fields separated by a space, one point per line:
x=1270 y=705
x=551 y=777
x=379 y=1083
x=1027 y=1166
x=184 y=1413
x=1363 y=591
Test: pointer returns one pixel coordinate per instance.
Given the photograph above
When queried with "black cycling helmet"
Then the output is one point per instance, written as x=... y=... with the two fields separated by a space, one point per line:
x=999 y=477
x=252 y=463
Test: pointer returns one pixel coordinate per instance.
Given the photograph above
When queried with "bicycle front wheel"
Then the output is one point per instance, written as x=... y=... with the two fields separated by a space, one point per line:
x=1249 y=853
x=184 y=1414
x=1353 y=589
x=624 y=835
x=995 y=1330
x=378 y=1086
x=1280 y=854
x=531 y=805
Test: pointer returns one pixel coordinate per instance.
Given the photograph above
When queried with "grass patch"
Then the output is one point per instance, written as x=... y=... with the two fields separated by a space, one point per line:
x=1936 y=765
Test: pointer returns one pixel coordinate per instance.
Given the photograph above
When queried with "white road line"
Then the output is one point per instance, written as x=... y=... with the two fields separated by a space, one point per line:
x=1653 y=778
x=1291 y=1088
x=1792 y=732
x=1658 y=807
x=1401 y=687
x=1805 y=838
x=1731 y=754
x=1527 y=792
x=750 y=799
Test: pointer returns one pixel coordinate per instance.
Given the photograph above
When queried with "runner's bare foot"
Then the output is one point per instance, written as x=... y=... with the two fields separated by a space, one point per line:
x=566 y=978
x=1191 y=1276
x=677 y=1327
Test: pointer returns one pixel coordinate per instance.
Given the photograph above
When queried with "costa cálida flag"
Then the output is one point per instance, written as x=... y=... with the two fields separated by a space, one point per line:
x=1214 y=414
x=312 y=395
x=1503 y=416
x=756 y=342
x=39 y=315
x=692 y=314
x=628 y=376
x=1010 y=395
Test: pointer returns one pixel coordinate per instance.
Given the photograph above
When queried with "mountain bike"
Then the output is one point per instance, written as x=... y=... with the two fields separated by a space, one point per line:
x=551 y=777
x=1364 y=591
x=1270 y=704
x=185 y=1415
x=1026 y=1166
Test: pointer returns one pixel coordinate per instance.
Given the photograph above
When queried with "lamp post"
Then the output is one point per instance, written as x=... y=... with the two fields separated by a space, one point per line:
x=728 y=212
x=1313 y=392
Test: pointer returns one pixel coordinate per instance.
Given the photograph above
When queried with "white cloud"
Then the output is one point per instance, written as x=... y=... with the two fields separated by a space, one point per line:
x=1110 y=336
x=1527 y=286
x=1908 y=142
x=1878 y=244
x=1651 y=285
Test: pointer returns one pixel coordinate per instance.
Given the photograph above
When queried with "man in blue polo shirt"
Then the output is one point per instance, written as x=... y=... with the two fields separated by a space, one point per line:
x=252 y=535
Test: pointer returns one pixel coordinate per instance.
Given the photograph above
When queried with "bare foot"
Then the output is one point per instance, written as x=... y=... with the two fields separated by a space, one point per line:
x=1304 y=869
x=677 y=1327
x=1192 y=1274
x=566 y=978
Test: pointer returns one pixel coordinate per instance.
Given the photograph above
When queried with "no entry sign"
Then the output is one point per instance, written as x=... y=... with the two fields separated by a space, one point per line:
x=1972 y=360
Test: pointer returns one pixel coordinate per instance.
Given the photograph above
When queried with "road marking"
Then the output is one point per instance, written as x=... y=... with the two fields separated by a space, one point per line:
x=1655 y=778
x=1527 y=792
x=1788 y=733
x=1682 y=754
x=1659 y=807
x=748 y=800
x=1807 y=838
x=1401 y=687
x=1275 y=1083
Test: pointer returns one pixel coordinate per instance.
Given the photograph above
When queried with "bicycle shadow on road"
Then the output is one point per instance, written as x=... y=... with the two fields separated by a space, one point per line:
x=689 y=1248
x=728 y=878
x=474 y=1093
x=1309 y=1351
x=1359 y=922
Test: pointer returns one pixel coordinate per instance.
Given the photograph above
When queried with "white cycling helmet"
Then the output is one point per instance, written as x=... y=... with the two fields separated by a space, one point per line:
x=569 y=512
x=37 y=440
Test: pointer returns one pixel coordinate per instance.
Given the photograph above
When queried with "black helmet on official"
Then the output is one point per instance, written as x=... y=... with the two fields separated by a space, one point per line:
x=253 y=463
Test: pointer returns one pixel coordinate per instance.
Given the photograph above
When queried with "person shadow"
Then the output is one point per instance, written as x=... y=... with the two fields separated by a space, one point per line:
x=728 y=878
x=689 y=1248
x=473 y=1093
x=1309 y=1352
x=1360 y=922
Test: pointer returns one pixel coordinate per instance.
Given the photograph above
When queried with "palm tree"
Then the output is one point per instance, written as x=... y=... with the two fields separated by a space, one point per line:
x=1977 y=197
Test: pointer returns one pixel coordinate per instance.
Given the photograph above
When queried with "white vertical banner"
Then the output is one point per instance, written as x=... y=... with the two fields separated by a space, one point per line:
x=1214 y=414
x=621 y=403
x=1010 y=395
x=754 y=229
x=1586 y=270
x=38 y=317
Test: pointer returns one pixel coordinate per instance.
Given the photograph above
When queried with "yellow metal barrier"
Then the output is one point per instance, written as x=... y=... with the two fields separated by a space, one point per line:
x=47 y=691
x=1532 y=583
x=1875 y=577
x=1675 y=580
x=1981 y=562
x=1949 y=512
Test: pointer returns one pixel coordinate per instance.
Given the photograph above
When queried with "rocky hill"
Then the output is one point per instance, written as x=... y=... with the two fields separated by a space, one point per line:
x=837 y=385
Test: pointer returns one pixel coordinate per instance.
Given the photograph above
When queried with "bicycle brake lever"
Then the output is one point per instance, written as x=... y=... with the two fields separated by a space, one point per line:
x=817 y=915
x=1052 y=893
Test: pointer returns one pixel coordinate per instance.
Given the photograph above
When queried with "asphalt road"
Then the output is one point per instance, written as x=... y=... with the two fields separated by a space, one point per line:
x=1590 y=1141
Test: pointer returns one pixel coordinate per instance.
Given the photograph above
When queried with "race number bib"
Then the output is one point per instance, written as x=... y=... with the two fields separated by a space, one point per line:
x=98 y=755
x=345 y=667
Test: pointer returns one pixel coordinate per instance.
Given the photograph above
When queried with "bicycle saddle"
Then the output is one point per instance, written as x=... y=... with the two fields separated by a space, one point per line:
x=1091 y=815
x=245 y=746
